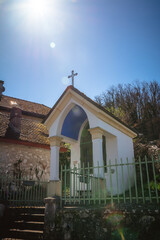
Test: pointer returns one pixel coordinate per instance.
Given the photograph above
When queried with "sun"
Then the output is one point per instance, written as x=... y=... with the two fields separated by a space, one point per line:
x=37 y=8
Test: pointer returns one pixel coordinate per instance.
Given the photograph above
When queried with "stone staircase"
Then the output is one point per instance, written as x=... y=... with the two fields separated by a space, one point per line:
x=25 y=223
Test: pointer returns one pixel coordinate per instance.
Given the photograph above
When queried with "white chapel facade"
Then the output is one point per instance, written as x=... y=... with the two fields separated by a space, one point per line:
x=73 y=113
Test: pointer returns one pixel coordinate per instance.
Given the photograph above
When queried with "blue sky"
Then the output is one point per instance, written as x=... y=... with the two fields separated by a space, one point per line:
x=106 y=41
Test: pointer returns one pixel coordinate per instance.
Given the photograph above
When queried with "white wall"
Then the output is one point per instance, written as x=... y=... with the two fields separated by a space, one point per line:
x=111 y=147
x=120 y=148
x=118 y=145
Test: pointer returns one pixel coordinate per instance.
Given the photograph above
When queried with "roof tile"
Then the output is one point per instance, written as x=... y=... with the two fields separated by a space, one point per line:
x=24 y=105
x=31 y=130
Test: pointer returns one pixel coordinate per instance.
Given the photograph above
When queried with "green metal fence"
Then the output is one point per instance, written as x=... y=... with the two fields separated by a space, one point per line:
x=19 y=191
x=124 y=182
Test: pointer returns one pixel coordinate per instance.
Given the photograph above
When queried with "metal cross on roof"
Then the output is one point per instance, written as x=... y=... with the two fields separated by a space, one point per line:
x=72 y=76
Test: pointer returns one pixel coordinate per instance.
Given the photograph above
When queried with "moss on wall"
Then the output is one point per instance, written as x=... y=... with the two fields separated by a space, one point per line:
x=104 y=223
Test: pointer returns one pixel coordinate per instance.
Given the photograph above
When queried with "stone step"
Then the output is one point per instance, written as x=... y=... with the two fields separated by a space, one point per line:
x=38 y=210
x=22 y=225
x=25 y=234
x=25 y=223
x=30 y=218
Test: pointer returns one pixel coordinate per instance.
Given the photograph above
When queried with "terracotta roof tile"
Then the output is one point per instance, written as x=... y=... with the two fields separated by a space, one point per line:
x=24 y=105
x=4 y=120
x=31 y=130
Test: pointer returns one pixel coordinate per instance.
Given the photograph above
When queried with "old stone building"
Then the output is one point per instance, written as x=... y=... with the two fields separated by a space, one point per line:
x=24 y=145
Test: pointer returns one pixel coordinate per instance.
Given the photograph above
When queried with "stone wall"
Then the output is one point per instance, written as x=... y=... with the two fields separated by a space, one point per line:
x=101 y=223
x=30 y=160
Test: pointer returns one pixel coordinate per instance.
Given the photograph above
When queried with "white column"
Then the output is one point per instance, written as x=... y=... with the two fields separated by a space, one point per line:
x=54 y=164
x=75 y=154
x=97 y=134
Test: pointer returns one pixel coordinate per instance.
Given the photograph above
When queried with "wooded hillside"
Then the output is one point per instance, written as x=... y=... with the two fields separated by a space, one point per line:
x=136 y=104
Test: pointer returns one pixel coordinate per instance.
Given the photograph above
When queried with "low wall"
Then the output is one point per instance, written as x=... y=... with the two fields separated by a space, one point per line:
x=101 y=223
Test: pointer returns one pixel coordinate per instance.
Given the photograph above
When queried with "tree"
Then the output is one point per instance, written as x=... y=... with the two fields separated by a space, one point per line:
x=136 y=104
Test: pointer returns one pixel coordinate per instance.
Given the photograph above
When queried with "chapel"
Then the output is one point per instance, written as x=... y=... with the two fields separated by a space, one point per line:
x=95 y=135
x=33 y=135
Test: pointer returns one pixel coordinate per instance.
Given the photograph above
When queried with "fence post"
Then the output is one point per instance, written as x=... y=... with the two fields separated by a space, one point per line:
x=141 y=178
x=123 y=186
x=51 y=206
x=148 y=181
x=129 y=182
x=79 y=170
x=74 y=184
x=83 y=184
x=88 y=183
x=135 y=181
x=155 y=181
x=61 y=186
x=117 y=180
x=110 y=175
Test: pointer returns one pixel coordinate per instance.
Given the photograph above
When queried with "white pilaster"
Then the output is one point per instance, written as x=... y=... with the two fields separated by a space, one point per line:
x=75 y=154
x=54 y=165
x=97 y=134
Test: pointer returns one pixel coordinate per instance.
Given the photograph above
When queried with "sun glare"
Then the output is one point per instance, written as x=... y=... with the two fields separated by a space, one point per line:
x=37 y=8
x=40 y=16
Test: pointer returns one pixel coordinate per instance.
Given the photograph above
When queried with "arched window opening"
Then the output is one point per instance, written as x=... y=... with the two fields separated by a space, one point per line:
x=73 y=122
x=86 y=157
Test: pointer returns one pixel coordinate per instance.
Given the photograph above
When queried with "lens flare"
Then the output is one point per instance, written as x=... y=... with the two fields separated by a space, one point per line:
x=76 y=111
x=115 y=218
x=52 y=45
x=121 y=234
x=65 y=80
